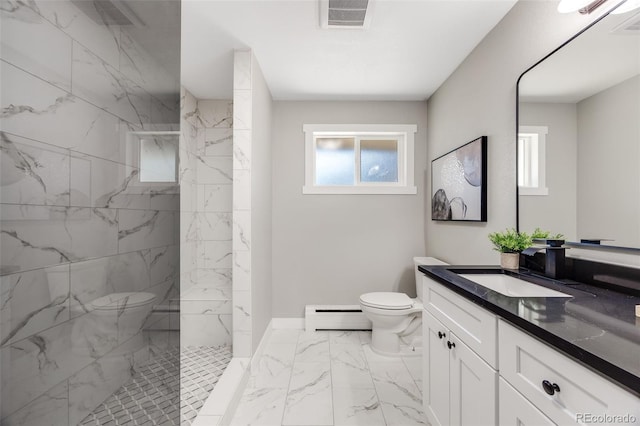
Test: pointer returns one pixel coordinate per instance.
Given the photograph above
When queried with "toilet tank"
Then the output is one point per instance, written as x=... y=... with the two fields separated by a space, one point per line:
x=417 y=261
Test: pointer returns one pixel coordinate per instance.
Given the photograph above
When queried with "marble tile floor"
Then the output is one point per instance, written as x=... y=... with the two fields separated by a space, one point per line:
x=330 y=378
x=168 y=391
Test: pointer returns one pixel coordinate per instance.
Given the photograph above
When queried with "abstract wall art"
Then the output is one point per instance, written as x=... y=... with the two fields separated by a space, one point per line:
x=459 y=183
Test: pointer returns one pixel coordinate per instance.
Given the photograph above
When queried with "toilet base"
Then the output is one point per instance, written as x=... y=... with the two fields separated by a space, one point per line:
x=405 y=351
x=390 y=344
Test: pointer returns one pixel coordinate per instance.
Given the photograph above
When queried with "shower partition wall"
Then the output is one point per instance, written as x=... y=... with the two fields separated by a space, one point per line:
x=89 y=227
x=206 y=184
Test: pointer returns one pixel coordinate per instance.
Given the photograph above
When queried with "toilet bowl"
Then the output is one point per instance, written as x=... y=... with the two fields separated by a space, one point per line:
x=110 y=320
x=128 y=309
x=395 y=315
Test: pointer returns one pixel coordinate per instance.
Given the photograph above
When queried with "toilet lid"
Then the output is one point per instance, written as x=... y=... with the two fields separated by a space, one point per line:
x=115 y=300
x=386 y=300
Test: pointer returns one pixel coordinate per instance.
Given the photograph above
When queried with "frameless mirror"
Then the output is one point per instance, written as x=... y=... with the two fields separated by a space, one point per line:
x=579 y=137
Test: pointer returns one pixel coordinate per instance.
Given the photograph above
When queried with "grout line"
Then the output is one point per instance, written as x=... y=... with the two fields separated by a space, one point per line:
x=375 y=388
x=293 y=363
x=333 y=407
x=413 y=378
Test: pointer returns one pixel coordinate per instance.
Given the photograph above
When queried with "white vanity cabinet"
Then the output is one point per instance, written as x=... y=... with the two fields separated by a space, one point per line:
x=479 y=369
x=459 y=386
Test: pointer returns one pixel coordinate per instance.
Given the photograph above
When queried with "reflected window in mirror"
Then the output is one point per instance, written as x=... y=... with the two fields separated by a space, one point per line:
x=532 y=141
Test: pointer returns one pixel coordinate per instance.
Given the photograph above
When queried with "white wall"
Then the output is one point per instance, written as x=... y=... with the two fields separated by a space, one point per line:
x=479 y=98
x=608 y=153
x=555 y=212
x=329 y=249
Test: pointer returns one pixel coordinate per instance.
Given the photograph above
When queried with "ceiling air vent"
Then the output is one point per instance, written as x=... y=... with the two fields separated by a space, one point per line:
x=345 y=13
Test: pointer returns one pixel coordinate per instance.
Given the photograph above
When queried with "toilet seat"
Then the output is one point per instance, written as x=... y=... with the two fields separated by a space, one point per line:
x=387 y=300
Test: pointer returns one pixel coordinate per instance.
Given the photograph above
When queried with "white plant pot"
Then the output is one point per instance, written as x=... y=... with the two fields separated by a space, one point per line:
x=510 y=260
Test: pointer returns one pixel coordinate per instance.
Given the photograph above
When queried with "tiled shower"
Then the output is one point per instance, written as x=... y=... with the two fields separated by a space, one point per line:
x=206 y=221
x=93 y=283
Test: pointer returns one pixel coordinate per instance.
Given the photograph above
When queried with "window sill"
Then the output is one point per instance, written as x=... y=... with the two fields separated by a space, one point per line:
x=346 y=190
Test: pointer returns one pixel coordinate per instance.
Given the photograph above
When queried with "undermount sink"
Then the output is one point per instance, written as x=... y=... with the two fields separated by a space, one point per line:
x=512 y=287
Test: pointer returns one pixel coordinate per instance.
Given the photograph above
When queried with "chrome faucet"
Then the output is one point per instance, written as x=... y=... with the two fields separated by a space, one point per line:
x=554 y=259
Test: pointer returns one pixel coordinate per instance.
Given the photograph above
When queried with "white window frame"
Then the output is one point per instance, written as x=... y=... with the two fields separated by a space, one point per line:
x=539 y=132
x=404 y=134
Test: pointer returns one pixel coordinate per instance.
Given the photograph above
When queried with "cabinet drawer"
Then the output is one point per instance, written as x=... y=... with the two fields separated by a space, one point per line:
x=525 y=362
x=474 y=325
x=515 y=410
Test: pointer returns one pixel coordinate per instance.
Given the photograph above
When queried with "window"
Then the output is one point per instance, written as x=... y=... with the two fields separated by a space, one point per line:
x=359 y=159
x=156 y=155
x=531 y=160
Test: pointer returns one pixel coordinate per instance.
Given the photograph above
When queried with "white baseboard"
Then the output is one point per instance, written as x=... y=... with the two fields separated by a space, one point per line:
x=287 y=323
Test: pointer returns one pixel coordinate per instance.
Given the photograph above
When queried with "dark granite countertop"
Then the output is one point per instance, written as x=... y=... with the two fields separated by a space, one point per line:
x=596 y=326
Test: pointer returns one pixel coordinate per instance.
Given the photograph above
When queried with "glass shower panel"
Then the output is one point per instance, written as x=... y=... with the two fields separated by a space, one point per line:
x=90 y=253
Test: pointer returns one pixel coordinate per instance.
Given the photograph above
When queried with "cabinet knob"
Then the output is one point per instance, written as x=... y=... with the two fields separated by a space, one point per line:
x=451 y=345
x=549 y=387
x=441 y=334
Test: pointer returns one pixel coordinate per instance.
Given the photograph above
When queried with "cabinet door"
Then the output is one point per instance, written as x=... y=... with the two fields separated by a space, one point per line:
x=435 y=370
x=473 y=387
x=515 y=410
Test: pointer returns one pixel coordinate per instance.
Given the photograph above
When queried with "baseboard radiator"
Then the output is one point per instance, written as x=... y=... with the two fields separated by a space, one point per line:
x=335 y=317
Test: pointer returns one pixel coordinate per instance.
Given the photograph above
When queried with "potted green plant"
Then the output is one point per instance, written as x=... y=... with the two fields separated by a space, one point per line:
x=539 y=234
x=510 y=243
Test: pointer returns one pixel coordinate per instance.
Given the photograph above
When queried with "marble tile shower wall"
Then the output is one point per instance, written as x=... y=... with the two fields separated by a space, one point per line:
x=206 y=188
x=242 y=125
x=77 y=223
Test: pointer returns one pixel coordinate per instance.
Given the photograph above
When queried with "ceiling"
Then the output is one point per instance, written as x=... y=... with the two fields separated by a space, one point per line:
x=408 y=51
x=608 y=53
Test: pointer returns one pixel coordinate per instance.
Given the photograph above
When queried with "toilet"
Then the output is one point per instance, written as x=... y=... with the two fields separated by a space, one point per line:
x=128 y=309
x=110 y=320
x=395 y=315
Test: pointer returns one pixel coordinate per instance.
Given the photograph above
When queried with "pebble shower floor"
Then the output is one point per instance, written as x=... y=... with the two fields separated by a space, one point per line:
x=151 y=397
